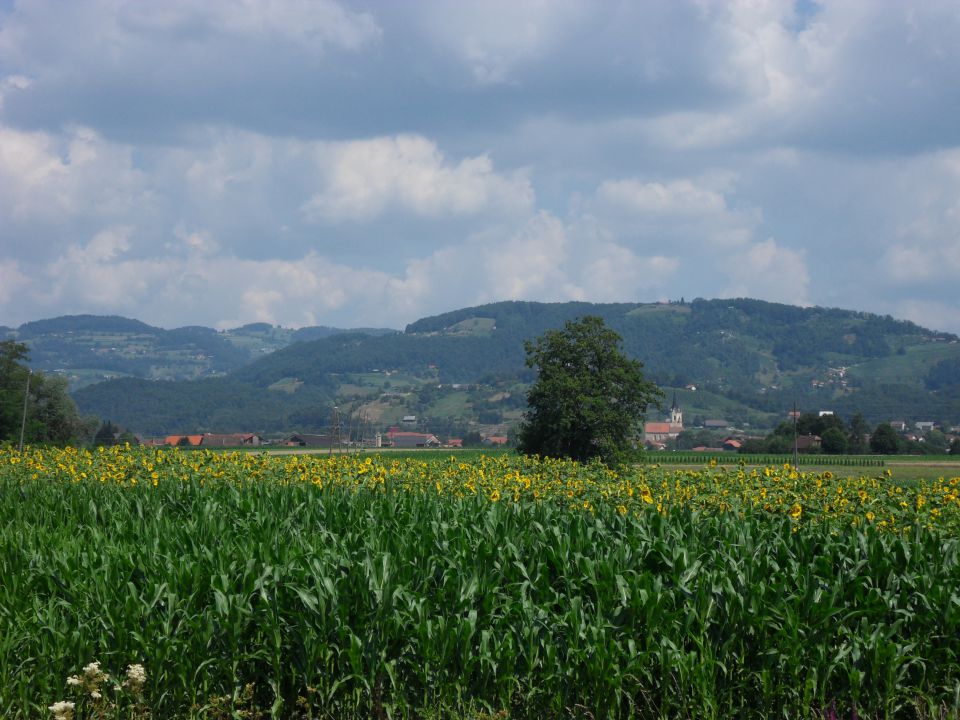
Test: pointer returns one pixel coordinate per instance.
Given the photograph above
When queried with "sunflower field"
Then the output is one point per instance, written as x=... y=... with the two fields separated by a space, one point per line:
x=142 y=583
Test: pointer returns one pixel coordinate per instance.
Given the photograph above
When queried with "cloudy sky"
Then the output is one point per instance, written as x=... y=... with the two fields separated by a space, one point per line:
x=343 y=163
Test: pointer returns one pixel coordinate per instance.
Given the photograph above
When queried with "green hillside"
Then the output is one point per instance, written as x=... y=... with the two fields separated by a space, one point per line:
x=87 y=349
x=745 y=361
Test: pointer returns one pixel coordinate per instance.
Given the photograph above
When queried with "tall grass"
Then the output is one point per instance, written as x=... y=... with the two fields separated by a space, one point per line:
x=346 y=602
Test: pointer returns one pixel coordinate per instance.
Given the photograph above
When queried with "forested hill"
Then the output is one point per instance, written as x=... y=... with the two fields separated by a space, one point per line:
x=91 y=348
x=761 y=354
x=741 y=358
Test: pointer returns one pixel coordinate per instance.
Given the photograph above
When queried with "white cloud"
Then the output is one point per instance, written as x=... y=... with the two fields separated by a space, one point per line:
x=11 y=282
x=933 y=314
x=616 y=274
x=408 y=171
x=530 y=263
x=491 y=37
x=680 y=213
x=678 y=197
x=48 y=177
x=11 y=84
x=766 y=270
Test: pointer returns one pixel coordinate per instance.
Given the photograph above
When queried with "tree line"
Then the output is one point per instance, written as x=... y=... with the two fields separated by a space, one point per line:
x=854 y=438
x=35 y=405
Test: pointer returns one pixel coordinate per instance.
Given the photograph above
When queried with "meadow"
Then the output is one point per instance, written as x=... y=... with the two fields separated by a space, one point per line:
x=247 y=585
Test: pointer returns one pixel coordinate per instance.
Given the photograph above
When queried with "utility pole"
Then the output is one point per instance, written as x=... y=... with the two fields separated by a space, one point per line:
x=796 y=451
x=23 y=420
x=335 y=429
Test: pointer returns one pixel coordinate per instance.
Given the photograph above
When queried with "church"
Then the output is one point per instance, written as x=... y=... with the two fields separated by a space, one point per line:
x=656 y=434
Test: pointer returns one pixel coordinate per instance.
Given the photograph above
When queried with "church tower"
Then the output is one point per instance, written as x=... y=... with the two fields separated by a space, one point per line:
x=676 y=414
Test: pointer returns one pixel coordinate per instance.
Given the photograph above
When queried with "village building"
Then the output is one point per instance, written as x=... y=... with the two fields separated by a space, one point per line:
x=231 y=440
x=310 y=440
x=656 y=434
x=403 y=439
x=183 y=440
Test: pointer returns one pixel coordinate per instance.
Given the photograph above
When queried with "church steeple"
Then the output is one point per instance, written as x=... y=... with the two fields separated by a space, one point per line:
x=676 y=414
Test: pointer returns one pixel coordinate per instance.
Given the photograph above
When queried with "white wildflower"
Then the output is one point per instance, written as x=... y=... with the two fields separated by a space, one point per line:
x=136 y=677
x=93 y=674
x=74 y=680
x=62 y=710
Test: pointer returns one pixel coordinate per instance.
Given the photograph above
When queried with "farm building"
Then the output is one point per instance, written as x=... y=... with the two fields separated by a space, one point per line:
x=403 y=439
x=309 y=440
x=231 y=440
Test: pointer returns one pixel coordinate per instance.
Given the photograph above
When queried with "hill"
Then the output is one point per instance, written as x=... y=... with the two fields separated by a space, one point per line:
x=91 y=348
x=743 y=360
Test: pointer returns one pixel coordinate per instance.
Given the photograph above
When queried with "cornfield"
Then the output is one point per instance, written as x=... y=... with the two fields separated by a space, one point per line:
x=246 y=585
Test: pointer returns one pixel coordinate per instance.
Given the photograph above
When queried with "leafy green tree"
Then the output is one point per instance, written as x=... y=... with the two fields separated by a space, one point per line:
x=884 y=440
x=834 y=441
x=472 y=439
x=51 y=415
x=858 y=434
x=955 y=447
x=106 y=435
x=13 y=382
x=936 y=441
x=588 y=399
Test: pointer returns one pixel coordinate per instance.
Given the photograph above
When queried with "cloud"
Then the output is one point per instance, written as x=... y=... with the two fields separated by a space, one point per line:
x=676 y=197
x=616 y=274
x=933 y=314
x=347 y=162
x=675 y=213
x=12 y=83
x=768 y=271
x=312 y=23
x=46 y=177
x=491 y=37
x=367 y=177
x=531 y=263
x=11 y=282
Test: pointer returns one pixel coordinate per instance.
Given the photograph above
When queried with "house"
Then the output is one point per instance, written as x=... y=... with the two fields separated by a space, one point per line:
x=808 y=443
x=498 y=440
x=403 y=439
x=183 y=440
x=455 y=442
x=310 y=440
x=716 y=424
x=899 y=425
x=232 y=440
x=732 y=444
x=924 y=425
x=409 y=420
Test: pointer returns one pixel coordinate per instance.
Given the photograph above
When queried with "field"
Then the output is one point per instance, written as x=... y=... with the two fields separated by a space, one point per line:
x=244 y=585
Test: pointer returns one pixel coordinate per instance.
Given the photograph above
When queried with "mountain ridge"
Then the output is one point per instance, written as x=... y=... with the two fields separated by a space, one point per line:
x=747 y=359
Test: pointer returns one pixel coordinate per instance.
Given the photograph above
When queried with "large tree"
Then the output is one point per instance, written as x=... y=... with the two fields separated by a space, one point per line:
x=51 y=415
x=884 y=440
x=589 y=399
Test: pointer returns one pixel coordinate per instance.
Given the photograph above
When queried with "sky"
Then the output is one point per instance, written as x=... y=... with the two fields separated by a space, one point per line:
x=323 y=162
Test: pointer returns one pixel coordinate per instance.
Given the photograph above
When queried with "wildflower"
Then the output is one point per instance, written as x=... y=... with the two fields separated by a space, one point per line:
x=796 y=510
x=62 y=710
x=91 y=680
x=136 y=677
